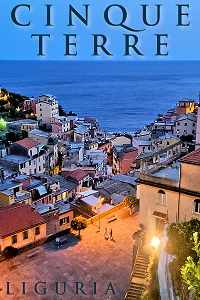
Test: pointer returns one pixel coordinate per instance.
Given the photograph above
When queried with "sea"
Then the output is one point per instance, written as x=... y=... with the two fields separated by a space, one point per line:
x=124 y=96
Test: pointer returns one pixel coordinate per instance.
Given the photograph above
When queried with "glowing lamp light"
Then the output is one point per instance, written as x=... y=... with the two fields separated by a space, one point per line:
x=155 y=242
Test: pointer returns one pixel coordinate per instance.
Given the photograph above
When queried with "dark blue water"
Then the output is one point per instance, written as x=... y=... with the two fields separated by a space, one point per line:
x=123 y=96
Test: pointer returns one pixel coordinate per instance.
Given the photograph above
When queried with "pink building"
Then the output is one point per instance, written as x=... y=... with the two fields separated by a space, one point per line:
x=30 y=104
x=60 y=125
x=123 y=158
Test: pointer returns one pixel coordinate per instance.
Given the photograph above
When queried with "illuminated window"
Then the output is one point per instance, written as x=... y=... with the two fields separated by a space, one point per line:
x=161 y=198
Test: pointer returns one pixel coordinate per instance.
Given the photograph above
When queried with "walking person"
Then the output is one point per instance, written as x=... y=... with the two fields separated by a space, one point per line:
x=105 y=234
x=58 y=242
x=111 y=236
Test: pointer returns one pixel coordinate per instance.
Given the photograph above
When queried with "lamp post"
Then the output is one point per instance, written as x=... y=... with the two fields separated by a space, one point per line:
x=155 y=242
x=101 y=199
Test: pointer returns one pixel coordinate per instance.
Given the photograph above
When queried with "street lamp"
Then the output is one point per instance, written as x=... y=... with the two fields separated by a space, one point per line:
x=101 y=199
x=155 y=242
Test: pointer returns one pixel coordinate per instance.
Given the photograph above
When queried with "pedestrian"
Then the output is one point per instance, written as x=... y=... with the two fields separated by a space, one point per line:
x=105 y=234
x=58 y=242
x=111 y=236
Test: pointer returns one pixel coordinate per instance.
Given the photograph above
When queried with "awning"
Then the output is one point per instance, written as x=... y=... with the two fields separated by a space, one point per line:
x=160 y=215
x=42 y=190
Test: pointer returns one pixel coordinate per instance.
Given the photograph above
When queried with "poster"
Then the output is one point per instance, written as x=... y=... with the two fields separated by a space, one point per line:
x=57 y=48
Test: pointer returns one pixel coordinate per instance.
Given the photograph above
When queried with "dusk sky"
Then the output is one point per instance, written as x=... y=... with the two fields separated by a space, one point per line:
x=182 y=41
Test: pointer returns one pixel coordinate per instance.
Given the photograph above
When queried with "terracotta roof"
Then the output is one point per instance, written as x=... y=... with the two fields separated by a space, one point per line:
x=90 y=120
x=193 y=157
x=18 y=217
x=28 y=143
x=78 y=174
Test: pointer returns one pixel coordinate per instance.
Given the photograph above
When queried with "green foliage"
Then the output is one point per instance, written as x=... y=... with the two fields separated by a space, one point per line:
x=11 y=136
x=191 y=270
x=16 y=99
x=79 y=223
x=187 y=138
x=24 y=134
x=9 y=252
x=153 y=286
x=179 y=241
x=130 y=201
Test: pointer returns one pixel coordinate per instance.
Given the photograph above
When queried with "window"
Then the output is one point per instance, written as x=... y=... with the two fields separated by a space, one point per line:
x=149 y=148
x=193 y=124
x=177 y=131
x=25 y=235
x=197 y=206
x=30 y=163
x=185 y=132
x=193 y=131
x=30 y=152
x=37 y=230
x=14 y=239
x=185 y=124
x=39 y=168
x=178 y=123
x=16 y=189
x=167 y=143
x=64 y=221
x=161 y=198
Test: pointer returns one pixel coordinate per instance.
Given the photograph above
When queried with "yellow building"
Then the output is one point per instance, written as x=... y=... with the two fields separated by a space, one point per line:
x=171 y=195
x=20 y=225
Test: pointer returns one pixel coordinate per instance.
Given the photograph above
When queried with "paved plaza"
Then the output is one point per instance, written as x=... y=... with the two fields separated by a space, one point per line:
x=93 y=265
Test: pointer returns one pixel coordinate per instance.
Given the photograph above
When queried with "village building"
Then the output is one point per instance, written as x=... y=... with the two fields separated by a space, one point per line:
x=27 y=226
x=171 y=194
x=123 y=157
x=185 y=106
x=27 y=157
x=46 y=108
x=60 y=126
x=185 y=125
x=30 y=105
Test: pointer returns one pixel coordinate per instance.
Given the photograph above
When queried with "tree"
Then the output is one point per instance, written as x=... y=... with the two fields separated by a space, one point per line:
x=130 y=201
x=181 y=245
x=71 y=113
x=191 y=270
x=11 y=136
x=187 y=138
x=61 y=112
x=79 y=223
x=9 y=253
x=181 y=234
x=24 y=134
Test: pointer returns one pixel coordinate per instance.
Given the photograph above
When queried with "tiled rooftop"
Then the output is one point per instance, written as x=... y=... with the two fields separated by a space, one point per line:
x=18 y=217
x=193 y=157
x=27 y=143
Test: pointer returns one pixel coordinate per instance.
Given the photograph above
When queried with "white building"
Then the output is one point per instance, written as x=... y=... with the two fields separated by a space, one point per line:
x=46 y=108
x=185 y=124
x=27 y=156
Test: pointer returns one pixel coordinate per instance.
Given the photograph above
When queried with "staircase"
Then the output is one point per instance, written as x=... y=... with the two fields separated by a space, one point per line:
x=139 y=273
